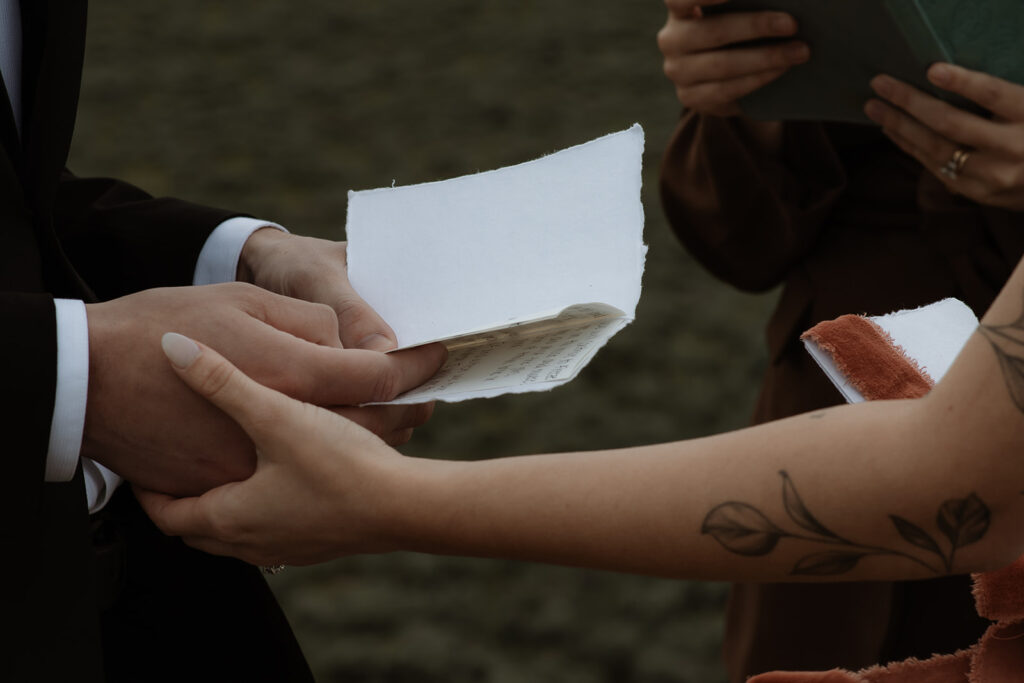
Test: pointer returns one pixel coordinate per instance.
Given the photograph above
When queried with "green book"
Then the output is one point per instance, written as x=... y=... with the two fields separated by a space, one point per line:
x=852 y=41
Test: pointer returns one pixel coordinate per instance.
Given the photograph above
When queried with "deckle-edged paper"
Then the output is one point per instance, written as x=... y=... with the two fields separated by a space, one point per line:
x=523 y=272
x=931 y=335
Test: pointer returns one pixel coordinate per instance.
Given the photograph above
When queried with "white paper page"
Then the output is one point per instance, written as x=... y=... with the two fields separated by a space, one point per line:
x=932 y=335
x=484 y=251
x=523 y=358
x=828 y=366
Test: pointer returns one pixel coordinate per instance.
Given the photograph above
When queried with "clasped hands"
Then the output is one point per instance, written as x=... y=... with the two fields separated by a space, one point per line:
x=981 y=157
x=296 y=325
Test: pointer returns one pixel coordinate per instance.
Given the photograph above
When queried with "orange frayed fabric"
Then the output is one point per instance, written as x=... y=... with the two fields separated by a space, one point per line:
x=880 y=369
x=868 y=357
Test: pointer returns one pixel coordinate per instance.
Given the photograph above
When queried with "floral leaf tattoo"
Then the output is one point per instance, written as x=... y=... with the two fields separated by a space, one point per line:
x=1008 y=343
x=743 y=529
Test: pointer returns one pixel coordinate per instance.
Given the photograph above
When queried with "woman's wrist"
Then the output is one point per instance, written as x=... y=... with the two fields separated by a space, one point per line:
x=413 y=503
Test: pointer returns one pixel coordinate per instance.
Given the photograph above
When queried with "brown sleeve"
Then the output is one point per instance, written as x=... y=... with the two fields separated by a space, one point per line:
x=747 y=215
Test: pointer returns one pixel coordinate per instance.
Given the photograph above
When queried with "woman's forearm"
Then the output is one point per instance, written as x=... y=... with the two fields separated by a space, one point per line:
x=862 y=492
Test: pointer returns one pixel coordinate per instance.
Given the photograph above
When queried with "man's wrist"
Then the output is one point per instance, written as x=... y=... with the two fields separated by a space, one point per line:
x=221 y=254
x=254 y=251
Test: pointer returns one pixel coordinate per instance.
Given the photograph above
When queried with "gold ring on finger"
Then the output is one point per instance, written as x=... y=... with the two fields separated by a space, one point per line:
x=956 y=163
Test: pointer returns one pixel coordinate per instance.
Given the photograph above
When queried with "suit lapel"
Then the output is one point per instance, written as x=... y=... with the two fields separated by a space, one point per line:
x=9 y=130
x=54 y=46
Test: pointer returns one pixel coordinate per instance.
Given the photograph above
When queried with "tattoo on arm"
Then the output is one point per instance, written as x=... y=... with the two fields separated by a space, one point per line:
x=743 y=529
x=1008 y=343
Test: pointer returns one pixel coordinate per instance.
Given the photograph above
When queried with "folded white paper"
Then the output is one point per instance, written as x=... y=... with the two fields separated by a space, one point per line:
x=523 y=272
x=931 y=335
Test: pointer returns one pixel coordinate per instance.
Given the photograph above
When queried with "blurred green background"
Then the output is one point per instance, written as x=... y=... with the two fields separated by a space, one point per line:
x=279 y=108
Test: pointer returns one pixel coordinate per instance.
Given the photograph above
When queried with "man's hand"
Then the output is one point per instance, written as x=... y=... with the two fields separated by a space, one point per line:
x=145 y=425
x=314 y=270
x=710 y=71
x=321 y=488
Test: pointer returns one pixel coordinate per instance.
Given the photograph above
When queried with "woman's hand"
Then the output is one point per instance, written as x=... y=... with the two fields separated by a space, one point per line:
x=709 y=70
x=980 y=158
x=319 y=479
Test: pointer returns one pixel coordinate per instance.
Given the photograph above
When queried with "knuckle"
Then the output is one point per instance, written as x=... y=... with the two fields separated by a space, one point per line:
x=225 y=527
x=778 y=58
x=385 y=386
x=675 y=70
x=216 y=379
x=990 y=94
x=325 y=319
x=714 y=33
x=666 y=40
x=682 y=95
x=1016 y=178
x=1004 y=179
x=303 y=280
x=422 y=413
x=399 y=437
x=1015 y=143
x=760 y=24
x=945 y=124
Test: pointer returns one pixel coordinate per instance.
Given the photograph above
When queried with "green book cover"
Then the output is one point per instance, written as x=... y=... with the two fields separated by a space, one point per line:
x=852 y=41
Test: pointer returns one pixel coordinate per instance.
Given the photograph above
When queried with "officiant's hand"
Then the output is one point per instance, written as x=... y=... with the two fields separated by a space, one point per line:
x=979 y=157
x=321 y=482
x=709 y=70
x=314 y=270
x=145 y=425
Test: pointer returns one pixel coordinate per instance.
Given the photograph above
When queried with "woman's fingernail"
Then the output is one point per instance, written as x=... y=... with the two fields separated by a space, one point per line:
x=376 y=342
x=940 y=74
x=179 y=349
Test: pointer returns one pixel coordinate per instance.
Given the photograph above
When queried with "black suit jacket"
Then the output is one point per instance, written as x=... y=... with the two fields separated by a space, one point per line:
x=145 y=608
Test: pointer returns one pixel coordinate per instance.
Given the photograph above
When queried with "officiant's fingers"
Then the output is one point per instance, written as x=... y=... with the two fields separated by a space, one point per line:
x=952 y=123
x=968 y=185
x=1002 y=98
x=719 y=66
x=719 y=98
x=683 y=9
x=684 y=35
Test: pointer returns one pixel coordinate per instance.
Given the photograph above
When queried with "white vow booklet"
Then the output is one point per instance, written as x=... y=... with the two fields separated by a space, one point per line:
x=523 y=272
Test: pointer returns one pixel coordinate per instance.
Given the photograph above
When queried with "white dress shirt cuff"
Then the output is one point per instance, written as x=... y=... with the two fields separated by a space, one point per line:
x=69 y=403
x=100 y=484
x=72 y=390
x=218 y=259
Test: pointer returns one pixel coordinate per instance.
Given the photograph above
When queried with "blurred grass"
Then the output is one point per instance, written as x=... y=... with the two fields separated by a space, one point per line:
x=277 y=109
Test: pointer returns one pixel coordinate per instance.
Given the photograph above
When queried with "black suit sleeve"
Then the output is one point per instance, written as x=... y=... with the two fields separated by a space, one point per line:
x=122 y=240
x=28 y=345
